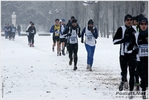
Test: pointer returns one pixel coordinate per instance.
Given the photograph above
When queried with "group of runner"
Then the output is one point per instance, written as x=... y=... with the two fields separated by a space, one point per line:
x=9 y=31
x=132 y=37
x=66 y=35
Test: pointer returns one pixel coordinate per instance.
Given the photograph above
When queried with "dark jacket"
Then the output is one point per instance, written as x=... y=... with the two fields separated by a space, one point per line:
x=67 y=29
x=19 y=28
x=31 y=30
x=124 y=36
x=142 y=42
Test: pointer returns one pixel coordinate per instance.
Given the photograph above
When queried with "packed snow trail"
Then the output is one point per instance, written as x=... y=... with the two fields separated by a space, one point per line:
x=36 y=72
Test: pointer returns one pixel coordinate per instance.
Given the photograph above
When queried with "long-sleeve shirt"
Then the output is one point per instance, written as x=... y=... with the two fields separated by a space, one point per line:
x=126 y=38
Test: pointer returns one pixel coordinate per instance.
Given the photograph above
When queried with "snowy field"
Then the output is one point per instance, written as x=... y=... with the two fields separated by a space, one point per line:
x=37 y=73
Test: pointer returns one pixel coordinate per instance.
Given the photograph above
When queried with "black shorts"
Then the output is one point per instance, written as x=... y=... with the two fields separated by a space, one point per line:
x=62 y=40
x=56 y=39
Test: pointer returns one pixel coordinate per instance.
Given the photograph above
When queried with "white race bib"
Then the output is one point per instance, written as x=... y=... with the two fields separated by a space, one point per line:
x=56 y=33
x=32 y=31
x=89 y=37
x=73 y=37
x=143 y=50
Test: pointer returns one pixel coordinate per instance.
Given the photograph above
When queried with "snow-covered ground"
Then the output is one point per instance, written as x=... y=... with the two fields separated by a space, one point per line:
x=38 y=73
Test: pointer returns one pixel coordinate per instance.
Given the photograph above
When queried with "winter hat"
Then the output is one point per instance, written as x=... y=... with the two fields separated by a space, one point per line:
x=74 y=21
x=60 y=20
x=127 y=16
x=134 y=18
x=139 y=17
x=143 y=19
x=90 y=21
x=32 y=24
x=63 y=20
x=72 y=17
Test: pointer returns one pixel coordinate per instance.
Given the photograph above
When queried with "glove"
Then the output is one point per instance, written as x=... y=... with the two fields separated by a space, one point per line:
x=82 y=41
x=136 y=51
x=79 y=35
x=69 y=34
x=92 y=30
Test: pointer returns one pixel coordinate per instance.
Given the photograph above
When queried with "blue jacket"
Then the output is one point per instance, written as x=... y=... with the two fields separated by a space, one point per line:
x=52 y=29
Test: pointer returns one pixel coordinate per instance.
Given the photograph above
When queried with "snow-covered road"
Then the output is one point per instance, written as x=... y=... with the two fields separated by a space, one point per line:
x=38 y=73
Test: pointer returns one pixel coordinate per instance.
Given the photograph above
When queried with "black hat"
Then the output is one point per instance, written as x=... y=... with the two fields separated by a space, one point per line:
x=134 y=18
x=90 y=21
x=32 y=24
x=56 y=19
x=74 y=21
x=72 y=17
x=127 y=16
x=143 y=19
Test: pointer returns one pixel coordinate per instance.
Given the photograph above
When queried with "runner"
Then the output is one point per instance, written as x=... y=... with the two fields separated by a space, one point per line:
x=32 y=32
x=62 y=36
x=72 y=32
x=55 y=29
x=142 y=41
x=91 y=34
x=125 y=36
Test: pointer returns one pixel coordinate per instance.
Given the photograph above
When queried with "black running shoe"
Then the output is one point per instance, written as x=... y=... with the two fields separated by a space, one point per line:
x=121 y=86
x=75 y=68
x=70 y=62
x=90 y=69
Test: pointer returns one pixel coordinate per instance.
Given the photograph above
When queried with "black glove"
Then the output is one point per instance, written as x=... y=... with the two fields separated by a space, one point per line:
x=92 y=30
x=69 y=34
x=81 y=40
x=79 y=35
x=136 y=51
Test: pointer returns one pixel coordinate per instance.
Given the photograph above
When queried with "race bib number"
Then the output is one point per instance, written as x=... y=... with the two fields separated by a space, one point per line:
x=13 y=30
x=89 y=37
x=73 y=39
x=32 y=31
x=143 y=50
x=56 y=33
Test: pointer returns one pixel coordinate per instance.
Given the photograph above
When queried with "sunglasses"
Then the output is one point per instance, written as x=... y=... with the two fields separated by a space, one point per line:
x=143 y=24
x=128 y=19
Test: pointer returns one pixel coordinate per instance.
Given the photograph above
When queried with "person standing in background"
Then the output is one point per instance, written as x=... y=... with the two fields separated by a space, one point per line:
x=5 y=29
x=13 y=32
x=19 y=30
